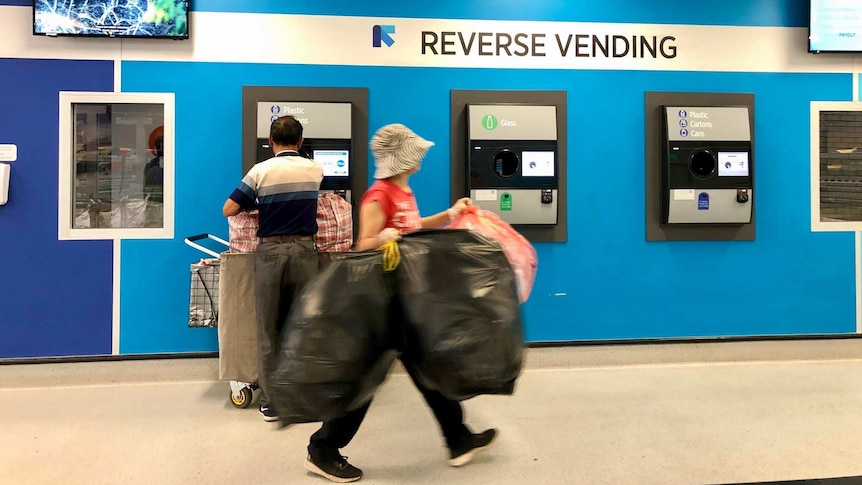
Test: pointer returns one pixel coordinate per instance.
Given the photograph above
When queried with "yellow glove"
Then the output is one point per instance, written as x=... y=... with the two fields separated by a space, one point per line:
x=387 y=235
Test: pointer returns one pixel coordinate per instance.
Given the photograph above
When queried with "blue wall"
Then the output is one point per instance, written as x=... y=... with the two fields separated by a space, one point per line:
x=55 y=297
x=772 y=13
x=616 y=285
x=605 y=283
x=767 y=13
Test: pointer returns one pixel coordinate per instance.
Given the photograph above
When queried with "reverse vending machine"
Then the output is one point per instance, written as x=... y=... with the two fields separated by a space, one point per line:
x=707 y=165
x=327 y=137
x=512 y=161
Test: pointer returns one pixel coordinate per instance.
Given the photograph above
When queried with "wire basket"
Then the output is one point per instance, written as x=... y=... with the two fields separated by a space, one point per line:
x=203 y=294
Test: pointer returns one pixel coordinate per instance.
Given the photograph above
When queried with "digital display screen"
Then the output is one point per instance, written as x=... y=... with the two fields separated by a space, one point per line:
x=835 y=26
x=112 y=18
x=732 y=164
x=537 y=164
x=335 y=162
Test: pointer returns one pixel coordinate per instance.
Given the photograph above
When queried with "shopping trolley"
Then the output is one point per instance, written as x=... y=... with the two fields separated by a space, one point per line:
x=222 y=292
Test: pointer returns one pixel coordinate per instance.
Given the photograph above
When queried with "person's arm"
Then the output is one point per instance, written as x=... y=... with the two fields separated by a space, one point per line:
x=442 y=218
x=437 y=220
x=243 y=197
x=230 y=208
x=371 y=223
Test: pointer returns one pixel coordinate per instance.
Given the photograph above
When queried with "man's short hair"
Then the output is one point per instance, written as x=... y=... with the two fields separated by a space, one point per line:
x=286 y=131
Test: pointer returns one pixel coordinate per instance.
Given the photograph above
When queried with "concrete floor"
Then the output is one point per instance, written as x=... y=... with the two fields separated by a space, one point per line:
x=170 y=422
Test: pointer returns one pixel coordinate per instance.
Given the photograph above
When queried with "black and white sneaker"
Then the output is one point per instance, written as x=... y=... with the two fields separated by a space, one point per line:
x=462 y=455
x=268 y=414
x=333 y=467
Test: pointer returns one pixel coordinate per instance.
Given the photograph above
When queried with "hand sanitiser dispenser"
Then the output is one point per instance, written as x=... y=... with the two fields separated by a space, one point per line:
x=5 y=171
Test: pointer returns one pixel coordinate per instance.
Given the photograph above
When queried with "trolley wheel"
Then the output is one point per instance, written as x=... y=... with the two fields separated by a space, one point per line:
x=243 y=400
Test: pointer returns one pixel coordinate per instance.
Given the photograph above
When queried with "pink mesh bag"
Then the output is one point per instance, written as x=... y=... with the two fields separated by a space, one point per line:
x=334 y=224
x=242 y=232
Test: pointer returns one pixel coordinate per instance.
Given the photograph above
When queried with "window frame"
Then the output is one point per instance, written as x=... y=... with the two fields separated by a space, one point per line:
x=66 y=229
x=818 y=225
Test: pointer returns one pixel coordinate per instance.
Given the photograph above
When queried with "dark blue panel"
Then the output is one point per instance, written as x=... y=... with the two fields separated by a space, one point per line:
x=55 y=297
x=21 y=3
x=776 y=13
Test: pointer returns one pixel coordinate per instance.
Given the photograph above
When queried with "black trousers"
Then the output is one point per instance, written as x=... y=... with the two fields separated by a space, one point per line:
x=337 y=433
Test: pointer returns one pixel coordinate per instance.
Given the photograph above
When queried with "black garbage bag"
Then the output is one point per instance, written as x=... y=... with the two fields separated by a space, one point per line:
x=336 y=347
x=463 y=330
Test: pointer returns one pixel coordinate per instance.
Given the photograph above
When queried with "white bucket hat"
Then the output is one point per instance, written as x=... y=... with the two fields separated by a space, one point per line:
x=396 y=150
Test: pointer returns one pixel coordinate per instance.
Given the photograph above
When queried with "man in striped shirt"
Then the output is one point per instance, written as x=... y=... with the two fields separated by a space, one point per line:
x=284 y=189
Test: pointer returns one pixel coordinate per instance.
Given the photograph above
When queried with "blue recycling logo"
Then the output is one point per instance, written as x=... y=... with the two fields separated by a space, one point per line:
x=703 y=201
x=683 y=113
x=276 y=109
x=340 y=163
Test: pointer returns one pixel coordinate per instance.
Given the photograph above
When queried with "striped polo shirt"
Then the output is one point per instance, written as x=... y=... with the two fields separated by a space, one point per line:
x=284 y=189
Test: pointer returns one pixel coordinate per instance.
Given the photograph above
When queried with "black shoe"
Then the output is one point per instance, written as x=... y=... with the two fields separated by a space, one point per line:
x=333 y=467
x=268 y=413
x=461 y=455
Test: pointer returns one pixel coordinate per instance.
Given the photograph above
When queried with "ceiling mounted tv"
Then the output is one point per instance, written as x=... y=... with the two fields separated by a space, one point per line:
x=835 y=26
x=149 y=19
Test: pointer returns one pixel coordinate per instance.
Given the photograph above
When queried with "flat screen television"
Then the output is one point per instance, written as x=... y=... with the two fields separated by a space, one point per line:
x=150 y=19
x=835 y=26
